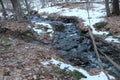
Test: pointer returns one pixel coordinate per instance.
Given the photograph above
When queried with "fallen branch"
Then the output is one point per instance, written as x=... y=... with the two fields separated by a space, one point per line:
x=95 y=48
x=110 y=60
x=96 y=51
x=116 y=49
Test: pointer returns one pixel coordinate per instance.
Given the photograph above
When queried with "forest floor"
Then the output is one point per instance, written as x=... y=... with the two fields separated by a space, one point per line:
x=113 y=22
x=21 y=59
x=113 y=27
x=90 y=14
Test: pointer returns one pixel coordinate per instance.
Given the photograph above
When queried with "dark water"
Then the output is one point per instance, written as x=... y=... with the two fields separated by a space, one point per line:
x=75 y=46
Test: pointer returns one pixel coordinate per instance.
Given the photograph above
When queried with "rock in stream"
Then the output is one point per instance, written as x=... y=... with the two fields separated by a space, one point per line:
x=75 y=46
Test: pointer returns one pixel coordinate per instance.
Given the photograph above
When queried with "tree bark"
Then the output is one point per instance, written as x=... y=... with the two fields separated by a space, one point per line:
x=28 y=9
x=17 y=9
x=3 y=8
x=97 y=54
x=43 y=3
x=1 y=2
x=115 y=9
x=107 y=7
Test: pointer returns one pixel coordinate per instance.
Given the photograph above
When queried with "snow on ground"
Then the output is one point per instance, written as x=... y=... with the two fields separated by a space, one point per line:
x=96 y=14
x=111 y=39
x=9 y=15
x=0 y=14
x=41 y=28
x=35 y=4
x=100 y=76
x=51 y=9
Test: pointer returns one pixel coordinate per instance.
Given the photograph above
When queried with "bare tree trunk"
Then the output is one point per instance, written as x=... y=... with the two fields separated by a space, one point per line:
x=28 y=9
x=97 y=54
x=43 y=3
x=115 y=9
x=107 y=7
x=17 y=9
x=3 y=7
x=54 y=2
x=66 y=1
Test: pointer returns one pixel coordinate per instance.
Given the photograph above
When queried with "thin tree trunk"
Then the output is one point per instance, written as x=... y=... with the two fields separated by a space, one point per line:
x=115 y=9
x=28 y=9
x=107 y=7
x=17 y=9
x=43 y=3
x=97 y=54
x=3 y=7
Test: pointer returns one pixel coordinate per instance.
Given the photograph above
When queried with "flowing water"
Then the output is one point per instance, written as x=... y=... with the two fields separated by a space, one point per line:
x=75 y=46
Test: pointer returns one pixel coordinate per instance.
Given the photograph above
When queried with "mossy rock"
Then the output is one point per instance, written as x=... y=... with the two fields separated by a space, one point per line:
x=116 y=37
x=58 y=26
x=5 y=39
x=7 y=46
x=30 y=33
x=3 y=30
x=77 y=75
x=110 y=34
x=4 y=42
x=57 y=70
x=44 y=28
x=100 y=25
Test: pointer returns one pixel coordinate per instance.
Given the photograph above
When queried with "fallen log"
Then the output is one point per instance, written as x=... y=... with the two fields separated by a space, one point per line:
x=95 y=48
x=96 y=51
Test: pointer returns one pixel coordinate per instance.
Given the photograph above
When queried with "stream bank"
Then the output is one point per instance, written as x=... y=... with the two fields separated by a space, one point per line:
x=75 y=45
x=72 y=35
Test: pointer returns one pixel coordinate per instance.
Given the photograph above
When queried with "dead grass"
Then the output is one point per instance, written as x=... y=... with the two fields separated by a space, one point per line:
x=22 y=60
x=113 y=25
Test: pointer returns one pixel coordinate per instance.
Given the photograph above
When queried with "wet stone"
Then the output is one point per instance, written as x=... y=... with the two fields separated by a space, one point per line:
x=74 y=45
x=82 y=48
x=73 y=52
x=58 y=26
x=62 y=52
x=86 y=41
x=42 y=77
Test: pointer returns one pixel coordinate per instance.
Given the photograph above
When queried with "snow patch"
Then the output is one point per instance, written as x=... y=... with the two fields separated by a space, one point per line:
x=0 y=14
x=50 y=10
x=95 y=14
x=9 y=15
x=111 y=39
x=100 y=76
x=40 y=30
x=44 y=24
x=45 y=63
